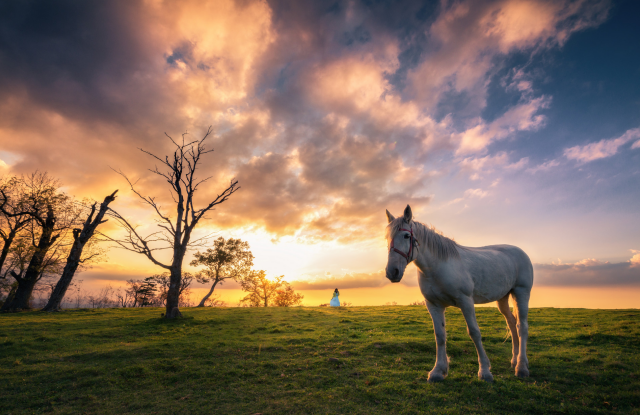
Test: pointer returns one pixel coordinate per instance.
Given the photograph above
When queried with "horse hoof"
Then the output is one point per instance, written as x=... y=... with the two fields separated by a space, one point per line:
x=522 y=373
x=487 y=377
x=435 y=377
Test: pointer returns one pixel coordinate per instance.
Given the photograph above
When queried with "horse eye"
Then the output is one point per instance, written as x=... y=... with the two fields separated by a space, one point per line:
x=406 y=236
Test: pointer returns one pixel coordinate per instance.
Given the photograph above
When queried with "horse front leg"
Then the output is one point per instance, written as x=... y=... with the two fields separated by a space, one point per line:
x=441 y=368
x=469 y=313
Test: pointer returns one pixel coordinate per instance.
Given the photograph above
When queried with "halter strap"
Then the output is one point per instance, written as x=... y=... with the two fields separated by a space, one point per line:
x=408 y=256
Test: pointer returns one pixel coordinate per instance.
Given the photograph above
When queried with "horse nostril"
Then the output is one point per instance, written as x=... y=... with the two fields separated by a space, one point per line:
x=396 y=272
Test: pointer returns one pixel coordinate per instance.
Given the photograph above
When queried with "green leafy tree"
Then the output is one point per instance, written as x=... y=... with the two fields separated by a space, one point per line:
x=261 y=290
x=286 y=296
x=142 y=291
x=229 y=259
x=53 y=216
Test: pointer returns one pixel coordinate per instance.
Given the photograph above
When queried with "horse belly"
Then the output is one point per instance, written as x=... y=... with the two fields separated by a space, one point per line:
x=493 y=282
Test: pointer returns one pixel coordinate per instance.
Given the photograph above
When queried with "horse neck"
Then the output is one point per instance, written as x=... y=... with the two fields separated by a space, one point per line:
x=426 y=260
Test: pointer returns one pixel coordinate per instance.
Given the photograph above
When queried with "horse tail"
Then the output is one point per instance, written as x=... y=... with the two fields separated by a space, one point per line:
x=515 y=308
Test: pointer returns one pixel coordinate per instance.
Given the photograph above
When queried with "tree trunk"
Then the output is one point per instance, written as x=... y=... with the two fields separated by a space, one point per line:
x=80 y=238
x=206 y=297
x=27 y=282
x=12 y=293
x=6 y=246
x=58 y=293
x=173 y=294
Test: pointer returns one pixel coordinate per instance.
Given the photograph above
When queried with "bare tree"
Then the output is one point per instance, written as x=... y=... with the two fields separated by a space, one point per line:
x=80 y=239
x=77 y=289
x=124 y=298
x=229 y=259
x=179 y=171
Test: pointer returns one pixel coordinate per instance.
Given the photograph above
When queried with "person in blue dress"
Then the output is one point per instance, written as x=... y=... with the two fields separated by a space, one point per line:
x=335 y=301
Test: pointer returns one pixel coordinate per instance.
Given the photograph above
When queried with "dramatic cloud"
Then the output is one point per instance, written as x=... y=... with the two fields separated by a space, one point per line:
x=326 y=115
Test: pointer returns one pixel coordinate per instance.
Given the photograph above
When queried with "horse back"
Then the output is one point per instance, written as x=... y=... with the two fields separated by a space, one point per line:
x=496 y=270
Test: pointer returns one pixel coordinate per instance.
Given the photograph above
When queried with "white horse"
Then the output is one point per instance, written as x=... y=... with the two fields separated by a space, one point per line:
x=453 y=275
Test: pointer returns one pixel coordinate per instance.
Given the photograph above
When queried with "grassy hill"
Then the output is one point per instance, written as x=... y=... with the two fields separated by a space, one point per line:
x=277 y=361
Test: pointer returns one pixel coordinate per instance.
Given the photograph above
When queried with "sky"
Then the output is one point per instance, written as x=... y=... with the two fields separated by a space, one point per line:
x=498 y=121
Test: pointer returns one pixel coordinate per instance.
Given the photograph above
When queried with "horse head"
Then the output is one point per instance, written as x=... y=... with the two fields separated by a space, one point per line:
x=402 y=244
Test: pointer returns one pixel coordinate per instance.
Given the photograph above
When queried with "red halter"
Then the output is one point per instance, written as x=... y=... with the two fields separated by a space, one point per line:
x=408 y=255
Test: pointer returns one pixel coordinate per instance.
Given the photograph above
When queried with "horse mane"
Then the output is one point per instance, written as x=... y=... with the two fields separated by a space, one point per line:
x=439 y=245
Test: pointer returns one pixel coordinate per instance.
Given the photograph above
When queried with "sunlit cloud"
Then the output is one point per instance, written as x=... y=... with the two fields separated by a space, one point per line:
x=589 y=271
x=635 y=259
x=477 y=166
x=351 y=280
x=327 y=117
x=523 y=117
x=603 y=148
x=546 y=166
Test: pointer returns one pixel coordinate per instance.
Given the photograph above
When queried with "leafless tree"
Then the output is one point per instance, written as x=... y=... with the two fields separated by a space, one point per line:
x=77 y=289
x=80 y=239
x=124 y=298
x=176 y=231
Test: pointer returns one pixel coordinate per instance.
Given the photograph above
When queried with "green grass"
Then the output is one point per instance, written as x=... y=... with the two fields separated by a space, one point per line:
x=276 y=361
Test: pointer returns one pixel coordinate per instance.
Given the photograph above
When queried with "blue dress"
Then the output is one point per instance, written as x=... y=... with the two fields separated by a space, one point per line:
x=335 y=301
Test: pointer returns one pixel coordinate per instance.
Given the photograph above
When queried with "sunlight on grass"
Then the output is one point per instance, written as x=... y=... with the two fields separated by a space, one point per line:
x=308 y=360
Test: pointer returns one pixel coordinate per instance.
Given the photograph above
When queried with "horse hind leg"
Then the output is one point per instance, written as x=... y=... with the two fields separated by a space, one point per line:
x=521 y=297
x=503 y=306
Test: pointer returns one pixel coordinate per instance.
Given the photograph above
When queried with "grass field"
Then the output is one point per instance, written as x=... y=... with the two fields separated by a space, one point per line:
x=276 y=361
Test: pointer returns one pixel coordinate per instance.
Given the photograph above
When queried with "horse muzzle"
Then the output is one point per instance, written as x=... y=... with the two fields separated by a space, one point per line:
x=394 y=274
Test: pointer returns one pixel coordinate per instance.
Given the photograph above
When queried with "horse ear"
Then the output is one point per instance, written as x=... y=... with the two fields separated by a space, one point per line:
x=407 y=214
x=390 y=216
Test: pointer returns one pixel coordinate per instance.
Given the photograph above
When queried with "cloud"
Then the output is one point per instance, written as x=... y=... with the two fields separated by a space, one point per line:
x=589 y=272
x=467 y=37
x=523 y=117
x=490 y=163
x=547 y=165
x=350 y=280
x=326 y=116
x=475 y=193
x=603 y=148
